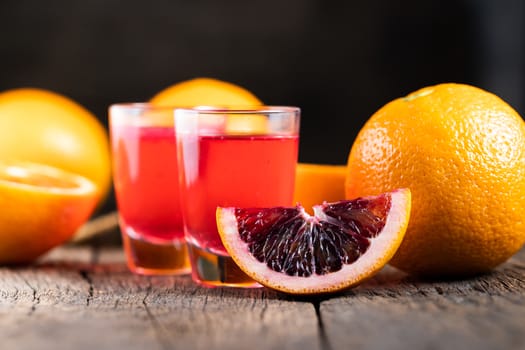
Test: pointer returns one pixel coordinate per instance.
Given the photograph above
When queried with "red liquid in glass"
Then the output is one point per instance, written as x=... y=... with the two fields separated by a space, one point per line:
x=240 y=171
x=147 y=193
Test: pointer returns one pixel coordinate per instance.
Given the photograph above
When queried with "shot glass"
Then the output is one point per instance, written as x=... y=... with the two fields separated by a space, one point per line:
x=145 y=176
x=231 y=157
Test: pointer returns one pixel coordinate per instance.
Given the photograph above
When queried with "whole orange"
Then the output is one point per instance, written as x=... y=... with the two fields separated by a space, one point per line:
x=45 y=127
x=205 y=92
x=215 y=93
x=461 y=151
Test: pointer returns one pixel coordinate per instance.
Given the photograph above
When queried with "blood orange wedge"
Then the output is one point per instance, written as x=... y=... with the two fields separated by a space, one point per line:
x=341 y=245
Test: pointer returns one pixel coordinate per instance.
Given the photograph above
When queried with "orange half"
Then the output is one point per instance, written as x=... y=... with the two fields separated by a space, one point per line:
x=42 y=207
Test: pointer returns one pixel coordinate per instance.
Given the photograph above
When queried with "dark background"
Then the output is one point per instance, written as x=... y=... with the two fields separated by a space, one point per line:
x=338 y=60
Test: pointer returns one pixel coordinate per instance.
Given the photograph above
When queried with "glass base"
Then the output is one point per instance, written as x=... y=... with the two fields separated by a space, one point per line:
x=212 y=270
x=153 y=258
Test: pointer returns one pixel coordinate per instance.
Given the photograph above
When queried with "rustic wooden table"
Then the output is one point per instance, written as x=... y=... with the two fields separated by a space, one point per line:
x=83 y=297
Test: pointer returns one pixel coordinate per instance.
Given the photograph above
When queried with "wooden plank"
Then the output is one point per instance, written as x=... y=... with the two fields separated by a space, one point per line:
x=64 y=303
x=51 y=306
x=185 y=315
x=84 y=297
x=31 y=286
x=395 y=311
x=200 y=318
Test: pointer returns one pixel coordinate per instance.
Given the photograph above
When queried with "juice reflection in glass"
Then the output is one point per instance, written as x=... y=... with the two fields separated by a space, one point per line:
x=145 y=176
x=240 y=158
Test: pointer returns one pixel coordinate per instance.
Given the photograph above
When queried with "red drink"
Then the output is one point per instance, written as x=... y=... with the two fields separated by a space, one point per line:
x=146 y=187
x=147 y=181
x=241 y=171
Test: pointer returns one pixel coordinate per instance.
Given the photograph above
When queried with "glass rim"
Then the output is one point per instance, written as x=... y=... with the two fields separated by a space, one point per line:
x=138 y=105
x=254 y=109
x=247 y=109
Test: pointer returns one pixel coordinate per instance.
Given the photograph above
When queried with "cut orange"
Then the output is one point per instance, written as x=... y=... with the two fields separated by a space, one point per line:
x=344 y=243
x=42 y=207
x=215 y=93
x=315 y=183
x=45 y=127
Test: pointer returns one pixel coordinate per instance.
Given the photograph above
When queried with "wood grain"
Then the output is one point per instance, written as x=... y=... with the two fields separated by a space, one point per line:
x=84 y=297
x=102 y=305
x=395 y=311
